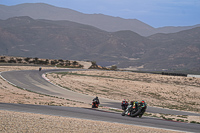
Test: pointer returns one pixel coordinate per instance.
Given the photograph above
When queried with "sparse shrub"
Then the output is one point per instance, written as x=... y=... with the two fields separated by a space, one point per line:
x=53 y=63
x=2 y=60
x=12 y=61
x=27 y=59
x=193 y=122
x=68 y=63
x=170 y=119
x=36 y=58
x=61 y=64
x=74 y=63
x=46 y=61
x=19 y=59
x=60 y=60
x=113 y=67
x=181 y=120
x=3 y=57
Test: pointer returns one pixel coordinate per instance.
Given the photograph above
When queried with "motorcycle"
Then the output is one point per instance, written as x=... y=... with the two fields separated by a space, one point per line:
x=134 y=111
x=124 y=105
x=94 y=104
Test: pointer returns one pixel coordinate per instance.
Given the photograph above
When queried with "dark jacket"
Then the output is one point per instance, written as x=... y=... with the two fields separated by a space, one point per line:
x=97 y=100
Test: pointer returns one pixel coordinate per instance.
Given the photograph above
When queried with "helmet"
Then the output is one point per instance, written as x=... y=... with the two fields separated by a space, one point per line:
x=96 y=96
x=143 y=101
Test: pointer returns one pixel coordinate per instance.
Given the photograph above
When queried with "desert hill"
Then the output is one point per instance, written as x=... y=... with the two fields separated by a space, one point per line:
x=178 y=49
x=24 y=36
x=101 y=21
x=27 y=37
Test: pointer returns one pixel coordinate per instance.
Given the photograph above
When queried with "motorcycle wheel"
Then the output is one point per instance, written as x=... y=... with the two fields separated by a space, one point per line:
x=123 y=113
x=135 y=114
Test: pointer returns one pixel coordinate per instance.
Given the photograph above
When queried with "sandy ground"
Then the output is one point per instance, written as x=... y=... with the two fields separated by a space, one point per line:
x=26 y=122
x=36 y=123
x=175 y=92
x=180 y=93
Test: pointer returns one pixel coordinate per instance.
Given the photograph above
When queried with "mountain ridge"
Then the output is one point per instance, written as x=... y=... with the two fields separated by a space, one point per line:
x=104 y=22
x=27 y=37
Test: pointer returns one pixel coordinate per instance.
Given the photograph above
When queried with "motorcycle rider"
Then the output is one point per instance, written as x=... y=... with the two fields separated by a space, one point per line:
x=136 y=104
x=124 y=104
x=133 y=106
x=131 y=103
x=97 y=100
x=144 y=106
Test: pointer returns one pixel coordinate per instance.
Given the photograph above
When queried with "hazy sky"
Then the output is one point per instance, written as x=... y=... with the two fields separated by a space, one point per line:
x=157 y=13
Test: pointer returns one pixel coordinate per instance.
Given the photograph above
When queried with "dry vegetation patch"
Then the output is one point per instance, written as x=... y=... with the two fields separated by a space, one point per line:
x=180 y=118
x=182 y=93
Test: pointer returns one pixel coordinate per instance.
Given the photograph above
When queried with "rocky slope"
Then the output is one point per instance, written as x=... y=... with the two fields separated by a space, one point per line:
x=24 y=36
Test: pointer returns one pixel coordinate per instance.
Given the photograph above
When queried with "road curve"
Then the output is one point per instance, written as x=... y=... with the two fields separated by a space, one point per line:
x=32 y=80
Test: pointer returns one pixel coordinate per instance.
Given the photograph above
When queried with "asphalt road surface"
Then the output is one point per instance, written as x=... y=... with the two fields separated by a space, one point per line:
x=32 y=80
x=92 y=114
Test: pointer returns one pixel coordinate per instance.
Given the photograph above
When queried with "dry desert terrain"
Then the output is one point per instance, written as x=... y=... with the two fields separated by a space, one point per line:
x=104 y=84
x=174 y=92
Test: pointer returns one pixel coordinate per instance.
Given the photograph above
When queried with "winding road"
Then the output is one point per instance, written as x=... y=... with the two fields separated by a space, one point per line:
x=32 y=80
